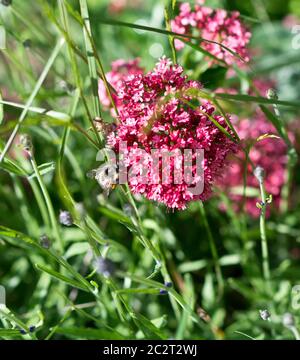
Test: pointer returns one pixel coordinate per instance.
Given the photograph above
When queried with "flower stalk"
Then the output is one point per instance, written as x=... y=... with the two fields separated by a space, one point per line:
x=259 y=173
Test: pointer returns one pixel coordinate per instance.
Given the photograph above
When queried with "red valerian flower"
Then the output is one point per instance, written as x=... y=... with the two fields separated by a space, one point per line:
x=216 y=25
x=270 y=153
x=155 y=112
x=121 y=70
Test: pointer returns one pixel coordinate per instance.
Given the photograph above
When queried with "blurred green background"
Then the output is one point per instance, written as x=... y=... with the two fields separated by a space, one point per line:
x=40 y=299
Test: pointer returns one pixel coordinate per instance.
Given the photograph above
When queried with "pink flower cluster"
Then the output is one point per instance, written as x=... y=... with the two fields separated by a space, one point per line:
x=120 y=71
x=118 y=6
x=269 y=153
x=154 y=114
x=215 y=25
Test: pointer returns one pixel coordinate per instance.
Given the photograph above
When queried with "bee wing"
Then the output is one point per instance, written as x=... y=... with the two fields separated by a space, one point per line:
x=91 y=174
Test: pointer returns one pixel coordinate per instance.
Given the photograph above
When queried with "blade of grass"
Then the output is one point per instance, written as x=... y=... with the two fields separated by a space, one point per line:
x=1 y=109
x=66 y=31
x=256 y=99
x=166 y=32
x=36 y=89
x=48 y=202
x=51 y=113
x=86 y=26
x=61 y=277
x=213 y=249
x=90 y=56
x=168 y=16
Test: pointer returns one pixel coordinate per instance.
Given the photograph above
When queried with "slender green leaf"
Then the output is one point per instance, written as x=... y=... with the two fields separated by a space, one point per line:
x=1 y=109
x=36 y=89
x=256 y=99
x=88 y=333
x=61 y=277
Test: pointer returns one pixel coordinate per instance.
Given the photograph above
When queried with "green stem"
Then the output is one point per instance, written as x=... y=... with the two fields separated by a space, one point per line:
x=62 y=320
x=168 y=13
x=40 y=202
x=29 y=102
x=213 y=249
x=263 y=235
x=90 y=56
x=48 y=203
x=97 y=113
x=295 y=332
x=286 y=191
x=292 y=160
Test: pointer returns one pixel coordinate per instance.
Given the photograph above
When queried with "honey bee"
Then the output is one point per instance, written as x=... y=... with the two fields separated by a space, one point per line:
x=107 y=177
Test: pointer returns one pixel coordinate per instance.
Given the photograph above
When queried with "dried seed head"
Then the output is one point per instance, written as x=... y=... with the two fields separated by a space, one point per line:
x=288 y=320
x=25 y=142
x=105 y=267
x=264 y=314
x=65 y=218
x=45 y=241
x=259 y=173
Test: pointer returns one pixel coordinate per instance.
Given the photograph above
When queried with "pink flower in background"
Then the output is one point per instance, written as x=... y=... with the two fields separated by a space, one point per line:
x=269 y=153
x=118 y=6
x=121 y=70
x=215 y=25
x=152 y=116
x=290 y=21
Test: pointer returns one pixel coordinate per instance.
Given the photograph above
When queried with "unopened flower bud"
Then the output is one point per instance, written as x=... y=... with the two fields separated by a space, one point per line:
x=32 y=328
x=168 y=284
x=163 y=292
x=264 y=314
x=105 y=267
x=259 y=173
x=65 y=218
x=288 y=320
x=45 y=241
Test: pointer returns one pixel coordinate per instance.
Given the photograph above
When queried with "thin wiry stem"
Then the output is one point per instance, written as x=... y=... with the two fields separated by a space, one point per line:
x=47 y=201
x=36 y=89
x=213 y=249
x=295 y=332
x=171 y=38
x=263 y=236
